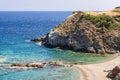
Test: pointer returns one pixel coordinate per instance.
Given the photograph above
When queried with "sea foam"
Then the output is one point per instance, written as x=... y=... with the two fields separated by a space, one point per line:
x=3 y=59
x=27 y=41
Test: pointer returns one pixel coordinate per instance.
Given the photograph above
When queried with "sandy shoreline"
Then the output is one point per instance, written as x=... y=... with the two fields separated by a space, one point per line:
x=96 y=71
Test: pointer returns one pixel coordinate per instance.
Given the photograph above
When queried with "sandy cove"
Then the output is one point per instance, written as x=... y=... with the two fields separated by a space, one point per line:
x=96 y=71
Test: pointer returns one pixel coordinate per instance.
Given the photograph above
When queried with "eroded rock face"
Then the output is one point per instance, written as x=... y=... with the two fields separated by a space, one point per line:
x=115 y=73
x=79 y=34
x=54 y=39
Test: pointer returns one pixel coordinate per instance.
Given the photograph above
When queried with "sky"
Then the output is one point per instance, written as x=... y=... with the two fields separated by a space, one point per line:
x=58 y=5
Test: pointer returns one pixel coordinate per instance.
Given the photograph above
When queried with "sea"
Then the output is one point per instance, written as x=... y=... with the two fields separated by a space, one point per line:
x=16 y=28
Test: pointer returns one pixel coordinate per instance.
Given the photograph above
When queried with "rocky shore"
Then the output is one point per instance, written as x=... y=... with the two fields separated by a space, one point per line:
x=90 y=32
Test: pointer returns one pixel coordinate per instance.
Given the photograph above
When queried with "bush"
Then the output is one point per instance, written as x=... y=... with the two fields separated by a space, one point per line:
x=78 y=12
x=117 y=9
x=117 y=18
x=102 y=21
x=101 y=30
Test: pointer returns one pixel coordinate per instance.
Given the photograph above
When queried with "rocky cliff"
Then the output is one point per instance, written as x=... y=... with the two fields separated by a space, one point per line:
x=94 y=32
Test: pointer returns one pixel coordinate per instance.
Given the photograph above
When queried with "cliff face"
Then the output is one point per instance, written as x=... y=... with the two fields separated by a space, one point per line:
x=87 y=32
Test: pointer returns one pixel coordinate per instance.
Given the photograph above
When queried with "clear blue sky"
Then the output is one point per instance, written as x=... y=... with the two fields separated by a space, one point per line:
x=57 y=5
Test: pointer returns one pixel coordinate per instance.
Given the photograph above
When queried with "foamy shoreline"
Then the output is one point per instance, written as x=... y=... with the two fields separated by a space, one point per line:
x=96 y=71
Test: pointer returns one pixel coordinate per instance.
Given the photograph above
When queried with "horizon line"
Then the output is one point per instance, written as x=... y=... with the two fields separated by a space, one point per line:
x=49 y=10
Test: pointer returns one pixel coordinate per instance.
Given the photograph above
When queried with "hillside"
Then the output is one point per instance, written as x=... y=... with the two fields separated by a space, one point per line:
x=93 y=32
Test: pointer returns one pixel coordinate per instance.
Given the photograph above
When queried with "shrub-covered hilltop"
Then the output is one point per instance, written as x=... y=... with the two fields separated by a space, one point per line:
x=93 y=32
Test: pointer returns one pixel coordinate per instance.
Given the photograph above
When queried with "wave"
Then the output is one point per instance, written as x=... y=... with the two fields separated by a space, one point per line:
x=27 y=41
x=39 y=43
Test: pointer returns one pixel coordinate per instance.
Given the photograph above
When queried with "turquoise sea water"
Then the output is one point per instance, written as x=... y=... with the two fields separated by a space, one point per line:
x=16 y=28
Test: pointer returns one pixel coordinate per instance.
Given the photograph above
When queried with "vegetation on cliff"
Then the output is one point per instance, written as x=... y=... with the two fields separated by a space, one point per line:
x=117 y=9
x=103 y=20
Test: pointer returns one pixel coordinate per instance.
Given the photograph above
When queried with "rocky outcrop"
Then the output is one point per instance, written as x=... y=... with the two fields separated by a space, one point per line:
x=87 y=33
x=114 y=74
x=42 y=40
x=37 y=65
x=29 y=65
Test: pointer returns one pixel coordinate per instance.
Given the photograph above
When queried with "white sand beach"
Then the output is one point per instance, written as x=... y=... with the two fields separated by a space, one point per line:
x=96 y=71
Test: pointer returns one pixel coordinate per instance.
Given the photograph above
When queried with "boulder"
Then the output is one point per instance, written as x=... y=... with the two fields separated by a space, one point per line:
x=115 y=73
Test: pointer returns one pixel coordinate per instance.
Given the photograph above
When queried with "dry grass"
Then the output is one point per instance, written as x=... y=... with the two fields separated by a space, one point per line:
x=110 y=13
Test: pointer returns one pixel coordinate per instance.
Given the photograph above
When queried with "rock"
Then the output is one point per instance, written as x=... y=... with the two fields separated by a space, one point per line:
x=56 y=63
x=79 y=33
x=18 y=65
x=42 y=40
x=36 y=40
x=55 y=40
x=115 y=73
x=29 y=65
x=91 y=50
x=36 y=65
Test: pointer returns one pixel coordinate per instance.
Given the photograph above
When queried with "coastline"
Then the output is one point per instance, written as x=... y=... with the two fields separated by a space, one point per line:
x=96 y=71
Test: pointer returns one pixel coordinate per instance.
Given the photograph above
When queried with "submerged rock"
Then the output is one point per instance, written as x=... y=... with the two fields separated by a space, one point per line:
x=18 y=65
x=29 y=65
x=37 y=64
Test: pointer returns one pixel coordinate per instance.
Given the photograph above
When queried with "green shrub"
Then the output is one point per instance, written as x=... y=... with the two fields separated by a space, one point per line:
x=117 y=9
x=102 y=21
x=114 y=26
x=78 y=12
x=117 y=18
x=101 y=30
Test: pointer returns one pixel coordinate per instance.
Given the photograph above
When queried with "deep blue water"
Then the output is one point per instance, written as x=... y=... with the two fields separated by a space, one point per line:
x=16 y=28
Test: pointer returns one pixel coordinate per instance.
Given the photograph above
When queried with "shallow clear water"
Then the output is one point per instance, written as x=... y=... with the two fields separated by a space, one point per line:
x=16 y=28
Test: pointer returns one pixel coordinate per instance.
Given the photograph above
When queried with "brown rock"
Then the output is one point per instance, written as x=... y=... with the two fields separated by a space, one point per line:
x=32 y=65
x=18 y=65
x=55 y=63
x=115 y=73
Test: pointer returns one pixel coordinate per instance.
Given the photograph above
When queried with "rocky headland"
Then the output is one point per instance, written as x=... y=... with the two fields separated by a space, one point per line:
x=93 y=32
